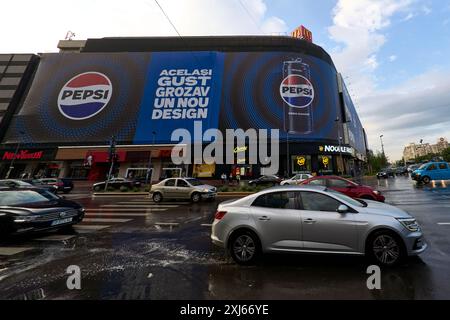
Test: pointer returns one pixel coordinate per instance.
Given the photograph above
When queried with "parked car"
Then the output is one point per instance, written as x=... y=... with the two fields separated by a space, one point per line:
x=15 y=183
x=346 y=187
x=386 y=173
x=116 y=183
x=296 y=179
x=432 y=171
x=62 y=185
x=400 y=171
x=271 y=180
x=413 y=168
x=314 y=219
x=34 y=209
x=182 y=188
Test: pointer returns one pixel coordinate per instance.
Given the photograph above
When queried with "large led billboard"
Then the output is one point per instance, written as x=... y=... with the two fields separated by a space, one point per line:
x=143 y=97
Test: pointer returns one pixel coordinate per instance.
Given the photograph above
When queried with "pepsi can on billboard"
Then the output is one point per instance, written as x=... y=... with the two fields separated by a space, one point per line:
x=297 y=93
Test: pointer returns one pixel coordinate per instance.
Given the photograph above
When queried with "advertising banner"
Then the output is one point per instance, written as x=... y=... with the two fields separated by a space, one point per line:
x=295 y=93
x=141 y=98
x=82 y=98
x=181 y=88
x=355 y=129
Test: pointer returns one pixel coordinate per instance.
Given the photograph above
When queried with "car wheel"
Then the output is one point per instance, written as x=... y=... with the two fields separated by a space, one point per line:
x=157 y=197
x=195 y=197
x=244 y=248
x=386 y=248
x=426 y=180
x=97 y=188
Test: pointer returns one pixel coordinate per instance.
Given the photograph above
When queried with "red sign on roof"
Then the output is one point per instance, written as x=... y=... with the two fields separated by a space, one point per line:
x=302 y=33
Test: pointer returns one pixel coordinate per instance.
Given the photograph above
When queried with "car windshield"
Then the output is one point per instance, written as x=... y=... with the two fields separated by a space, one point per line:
x=194 y=182
x=347 y=199
x=12 y=198
x=422 y=167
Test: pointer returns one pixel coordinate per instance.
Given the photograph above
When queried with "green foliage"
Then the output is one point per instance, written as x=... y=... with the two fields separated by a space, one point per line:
x=446 y=154
x=124 y=189
x=376 y=161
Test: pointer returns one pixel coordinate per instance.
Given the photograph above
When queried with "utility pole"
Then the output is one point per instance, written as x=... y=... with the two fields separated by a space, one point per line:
x=112 y=158
x=11 y=166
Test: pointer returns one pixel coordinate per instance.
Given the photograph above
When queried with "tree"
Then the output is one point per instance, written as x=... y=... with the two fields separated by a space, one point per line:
x=446 y=154
x=376 y=161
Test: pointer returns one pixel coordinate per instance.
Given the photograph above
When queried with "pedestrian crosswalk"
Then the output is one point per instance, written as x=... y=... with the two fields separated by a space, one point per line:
x=99 y=218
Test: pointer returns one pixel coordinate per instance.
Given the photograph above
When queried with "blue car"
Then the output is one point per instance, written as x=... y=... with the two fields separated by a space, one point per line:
x=432 y=171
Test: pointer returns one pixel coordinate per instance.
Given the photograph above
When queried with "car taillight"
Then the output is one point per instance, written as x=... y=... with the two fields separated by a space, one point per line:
x=219 y=215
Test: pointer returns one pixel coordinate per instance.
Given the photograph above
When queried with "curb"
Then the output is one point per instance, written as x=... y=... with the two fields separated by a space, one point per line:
x=119 y=194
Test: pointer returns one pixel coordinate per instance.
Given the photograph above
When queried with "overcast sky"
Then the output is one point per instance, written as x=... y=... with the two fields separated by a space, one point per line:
x=394 y=54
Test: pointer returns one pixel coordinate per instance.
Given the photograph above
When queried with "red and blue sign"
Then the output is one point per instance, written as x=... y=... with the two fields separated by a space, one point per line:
x=297 y=91
x=85 y=95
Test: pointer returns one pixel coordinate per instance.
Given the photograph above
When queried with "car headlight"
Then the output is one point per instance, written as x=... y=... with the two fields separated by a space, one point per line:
x=409 y=223
x=205 y=190
x=24 y=218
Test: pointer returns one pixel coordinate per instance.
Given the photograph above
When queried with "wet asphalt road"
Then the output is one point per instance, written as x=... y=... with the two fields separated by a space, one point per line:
x=126 y=250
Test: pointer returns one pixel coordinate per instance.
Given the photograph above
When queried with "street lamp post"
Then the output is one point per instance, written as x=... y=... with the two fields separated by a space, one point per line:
x=287 y=154
x=11 y=166
x=150 y=161
x=382 y=147
x=340 y=143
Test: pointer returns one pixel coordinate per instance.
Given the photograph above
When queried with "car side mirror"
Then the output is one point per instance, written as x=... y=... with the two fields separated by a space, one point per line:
x=343 y=209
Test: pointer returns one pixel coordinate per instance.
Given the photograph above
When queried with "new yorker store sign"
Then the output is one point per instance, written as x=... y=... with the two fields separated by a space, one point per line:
x=27 y=154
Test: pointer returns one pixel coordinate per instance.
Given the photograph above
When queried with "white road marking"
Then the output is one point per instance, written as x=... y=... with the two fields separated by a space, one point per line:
x=167 y=223
x=56 y=237
x=137 y=206
x=106 y=220
x=444 y=223
x=124 y=209
x=90 y=227
x=98 y=214
x=10 y=251
x=206 y=225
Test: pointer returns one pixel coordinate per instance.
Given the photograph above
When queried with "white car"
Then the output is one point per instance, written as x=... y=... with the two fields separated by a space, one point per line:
x=296 y=179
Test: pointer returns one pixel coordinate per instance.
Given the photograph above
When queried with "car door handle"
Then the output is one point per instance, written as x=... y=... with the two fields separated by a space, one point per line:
x=264 y=218
x=309 y=221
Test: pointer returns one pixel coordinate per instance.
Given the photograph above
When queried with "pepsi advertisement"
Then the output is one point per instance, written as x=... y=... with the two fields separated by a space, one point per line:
x=77 y=98
x=295 y=93
x=142 y=98
x=182 y=87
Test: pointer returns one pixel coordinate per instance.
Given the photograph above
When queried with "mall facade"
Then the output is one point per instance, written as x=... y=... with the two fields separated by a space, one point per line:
x=65 y=107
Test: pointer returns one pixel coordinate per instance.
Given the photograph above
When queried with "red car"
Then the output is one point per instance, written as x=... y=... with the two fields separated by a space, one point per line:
x=346 y=187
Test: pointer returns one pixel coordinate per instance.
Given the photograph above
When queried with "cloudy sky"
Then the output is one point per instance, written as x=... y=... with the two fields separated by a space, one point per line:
x=394 y=54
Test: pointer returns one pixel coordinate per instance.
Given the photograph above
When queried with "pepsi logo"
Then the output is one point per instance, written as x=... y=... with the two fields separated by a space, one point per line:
x=297 y=91
x=85 y=95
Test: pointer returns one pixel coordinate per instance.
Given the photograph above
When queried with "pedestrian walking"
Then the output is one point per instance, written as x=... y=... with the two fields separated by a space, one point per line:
x=224 y=178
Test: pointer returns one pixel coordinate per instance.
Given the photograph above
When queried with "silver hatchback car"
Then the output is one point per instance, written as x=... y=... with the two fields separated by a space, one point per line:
x=314 y=219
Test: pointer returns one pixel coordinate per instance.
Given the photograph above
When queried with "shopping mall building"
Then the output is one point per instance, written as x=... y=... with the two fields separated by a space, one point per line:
x=60 y=110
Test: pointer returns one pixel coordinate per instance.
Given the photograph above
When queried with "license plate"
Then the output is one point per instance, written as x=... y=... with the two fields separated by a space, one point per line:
x=61 y=221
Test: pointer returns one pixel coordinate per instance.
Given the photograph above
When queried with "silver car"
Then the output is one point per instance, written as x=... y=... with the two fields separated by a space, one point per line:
x=182 y=188
x=314 y=219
